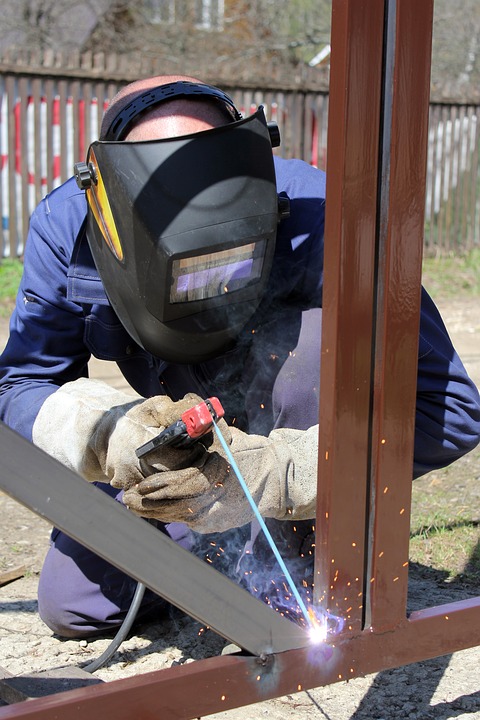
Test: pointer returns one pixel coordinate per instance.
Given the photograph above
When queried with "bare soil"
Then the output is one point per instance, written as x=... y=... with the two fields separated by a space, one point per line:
x=446 y=687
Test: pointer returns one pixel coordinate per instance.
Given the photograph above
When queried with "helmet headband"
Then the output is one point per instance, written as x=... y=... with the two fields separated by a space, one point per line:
x=123 y=121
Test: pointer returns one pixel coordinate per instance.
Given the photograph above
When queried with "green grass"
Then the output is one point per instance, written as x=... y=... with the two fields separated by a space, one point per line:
x=445 y=521
x=446 y=277
x=452 y=550
x=10 y=274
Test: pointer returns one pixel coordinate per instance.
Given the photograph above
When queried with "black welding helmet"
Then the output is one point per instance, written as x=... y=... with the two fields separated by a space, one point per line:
x=182 y=232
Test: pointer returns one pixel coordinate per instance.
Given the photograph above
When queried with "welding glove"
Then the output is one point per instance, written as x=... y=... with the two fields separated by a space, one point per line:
x=94 y=430
x=280 y=471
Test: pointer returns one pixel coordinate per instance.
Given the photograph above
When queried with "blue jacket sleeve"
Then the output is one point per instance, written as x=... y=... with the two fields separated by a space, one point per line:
x=45 y=348
x=448 y=404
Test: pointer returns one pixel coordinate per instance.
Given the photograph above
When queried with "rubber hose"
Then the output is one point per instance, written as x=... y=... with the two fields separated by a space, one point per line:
x=122 y=632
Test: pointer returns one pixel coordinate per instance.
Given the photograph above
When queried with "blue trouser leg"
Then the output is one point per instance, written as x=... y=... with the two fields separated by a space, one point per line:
x=282 y=372
x=280 y=377
x=289 y=392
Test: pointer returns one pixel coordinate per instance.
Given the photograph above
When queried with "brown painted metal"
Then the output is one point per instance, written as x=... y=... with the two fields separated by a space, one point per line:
x=347 y=340
x=14 y=689
x=401 y=222
x=207 y=686
x=377 y=140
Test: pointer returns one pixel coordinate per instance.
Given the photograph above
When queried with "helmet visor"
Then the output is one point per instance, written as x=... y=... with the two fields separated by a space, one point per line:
x=216 y=273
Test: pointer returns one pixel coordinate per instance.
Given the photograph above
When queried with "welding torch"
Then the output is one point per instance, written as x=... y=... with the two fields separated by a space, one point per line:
x=191 y=426
x=188 y=429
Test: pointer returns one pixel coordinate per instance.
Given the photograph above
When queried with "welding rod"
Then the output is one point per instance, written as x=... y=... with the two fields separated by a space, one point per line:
x=265 y=529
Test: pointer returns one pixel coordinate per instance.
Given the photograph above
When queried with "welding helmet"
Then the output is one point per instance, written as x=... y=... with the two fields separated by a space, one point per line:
x=182 y=230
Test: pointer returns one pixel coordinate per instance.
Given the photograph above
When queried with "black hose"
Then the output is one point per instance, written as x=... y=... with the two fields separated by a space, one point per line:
x=122 y=632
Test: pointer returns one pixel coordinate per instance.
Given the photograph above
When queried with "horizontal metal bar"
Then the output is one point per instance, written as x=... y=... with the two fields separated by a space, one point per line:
x=216 y=684
x=96 y=521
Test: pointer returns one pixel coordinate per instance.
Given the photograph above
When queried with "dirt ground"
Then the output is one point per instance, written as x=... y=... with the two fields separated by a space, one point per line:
x=446 y=687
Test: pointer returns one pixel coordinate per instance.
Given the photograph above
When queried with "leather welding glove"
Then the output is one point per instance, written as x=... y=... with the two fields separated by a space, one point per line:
x=94 y=430
x=280 y=471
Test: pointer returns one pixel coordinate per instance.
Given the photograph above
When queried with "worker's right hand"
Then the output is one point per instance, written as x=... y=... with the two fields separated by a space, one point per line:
x=94 y=430
x=279 y=471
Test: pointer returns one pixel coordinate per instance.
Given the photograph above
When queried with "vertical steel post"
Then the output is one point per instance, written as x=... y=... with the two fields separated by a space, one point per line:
x=401 y=200
x=378 y=121
x=348 y=318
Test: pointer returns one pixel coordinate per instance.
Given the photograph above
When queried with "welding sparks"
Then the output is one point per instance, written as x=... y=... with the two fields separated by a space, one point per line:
x=264 y=528
x=280 y=594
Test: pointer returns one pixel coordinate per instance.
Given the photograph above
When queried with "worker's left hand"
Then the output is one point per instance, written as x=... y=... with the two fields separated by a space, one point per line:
x=95 y=429
x=280 y=472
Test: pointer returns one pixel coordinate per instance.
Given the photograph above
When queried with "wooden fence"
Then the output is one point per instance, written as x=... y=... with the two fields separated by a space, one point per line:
x=48 y=121
x=452 y=213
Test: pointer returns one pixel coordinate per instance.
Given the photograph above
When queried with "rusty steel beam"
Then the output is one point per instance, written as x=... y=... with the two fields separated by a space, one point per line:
x=93 y=519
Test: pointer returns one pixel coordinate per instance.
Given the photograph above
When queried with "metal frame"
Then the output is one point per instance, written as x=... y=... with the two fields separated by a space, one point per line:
x=376 y=183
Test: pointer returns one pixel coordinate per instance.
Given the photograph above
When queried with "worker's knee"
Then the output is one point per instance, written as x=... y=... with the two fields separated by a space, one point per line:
x=81 y=595
x=296 y=393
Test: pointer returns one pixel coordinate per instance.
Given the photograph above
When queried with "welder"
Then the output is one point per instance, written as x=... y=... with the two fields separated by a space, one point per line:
x=188 y=254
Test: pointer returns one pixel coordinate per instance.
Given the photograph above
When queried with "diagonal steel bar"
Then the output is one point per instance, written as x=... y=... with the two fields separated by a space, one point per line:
x=89 y=516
